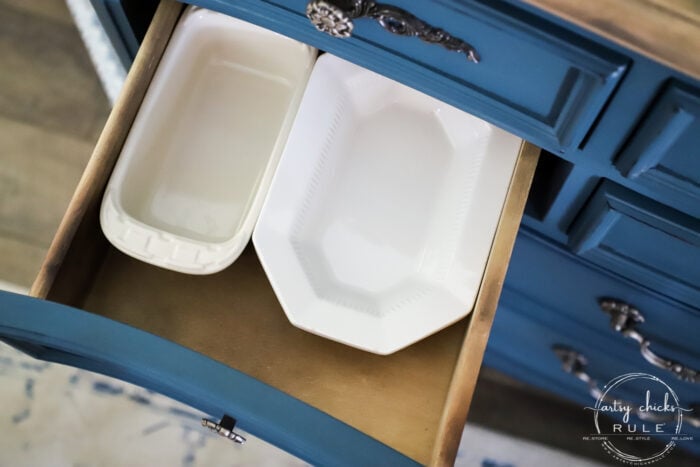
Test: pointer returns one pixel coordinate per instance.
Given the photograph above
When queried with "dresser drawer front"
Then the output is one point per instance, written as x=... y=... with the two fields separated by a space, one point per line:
x=663 y=154
x=68 y=336
x=551 y=278
x=531 y=355
x=541 y=330
x=534 y=79
x=642 y=240
x=411 y=405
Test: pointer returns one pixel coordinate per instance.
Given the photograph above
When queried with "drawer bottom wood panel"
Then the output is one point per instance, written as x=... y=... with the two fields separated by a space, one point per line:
x=414 y=401
x=234 y=317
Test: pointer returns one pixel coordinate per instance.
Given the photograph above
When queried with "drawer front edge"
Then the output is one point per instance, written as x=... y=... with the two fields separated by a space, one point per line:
x=575 y=89
x=67 y=335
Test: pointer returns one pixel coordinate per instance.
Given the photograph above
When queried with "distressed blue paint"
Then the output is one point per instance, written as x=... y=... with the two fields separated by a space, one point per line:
x=81 y=339
x=640 y=239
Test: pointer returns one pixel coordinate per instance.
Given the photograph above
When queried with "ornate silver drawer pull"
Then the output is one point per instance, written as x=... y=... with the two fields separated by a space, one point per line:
x=623 y=318
x=575 y=364
x=335 y=17
x=224 y=428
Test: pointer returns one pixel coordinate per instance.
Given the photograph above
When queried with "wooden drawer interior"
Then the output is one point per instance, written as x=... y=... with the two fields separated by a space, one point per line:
x=415 y=401
x=234 y=317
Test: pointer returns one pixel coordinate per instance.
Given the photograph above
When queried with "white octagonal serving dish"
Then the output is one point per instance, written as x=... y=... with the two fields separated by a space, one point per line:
x=380 y=217
x=195 y=168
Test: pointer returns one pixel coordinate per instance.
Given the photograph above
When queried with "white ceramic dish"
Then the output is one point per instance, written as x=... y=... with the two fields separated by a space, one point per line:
x=381 y=214
x=194 y=171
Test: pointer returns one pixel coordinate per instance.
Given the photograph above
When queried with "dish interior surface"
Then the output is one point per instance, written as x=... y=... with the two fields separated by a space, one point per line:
x=380 y=183
x=208 y=126
x=377 y=234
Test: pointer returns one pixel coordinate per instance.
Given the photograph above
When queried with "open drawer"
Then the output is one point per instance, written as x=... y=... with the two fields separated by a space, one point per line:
x=222 y=343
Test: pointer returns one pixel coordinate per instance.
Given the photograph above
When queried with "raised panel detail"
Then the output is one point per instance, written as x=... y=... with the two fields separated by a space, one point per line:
x=642 y=240
x=664 y=152
x=534 y=79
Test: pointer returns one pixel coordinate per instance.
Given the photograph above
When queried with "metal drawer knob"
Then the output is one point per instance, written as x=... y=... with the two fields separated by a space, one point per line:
x=335 y=17
x=623 y=318
x=329 y=18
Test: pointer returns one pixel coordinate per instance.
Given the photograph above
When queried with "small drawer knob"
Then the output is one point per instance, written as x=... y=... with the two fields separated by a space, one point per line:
x=224 y=428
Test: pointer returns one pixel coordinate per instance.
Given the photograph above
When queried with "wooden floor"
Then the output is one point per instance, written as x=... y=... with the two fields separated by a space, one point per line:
x=52 y=109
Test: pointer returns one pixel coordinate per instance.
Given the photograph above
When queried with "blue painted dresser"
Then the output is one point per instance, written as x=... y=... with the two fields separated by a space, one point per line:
x=125 y=23
x=611 y=219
